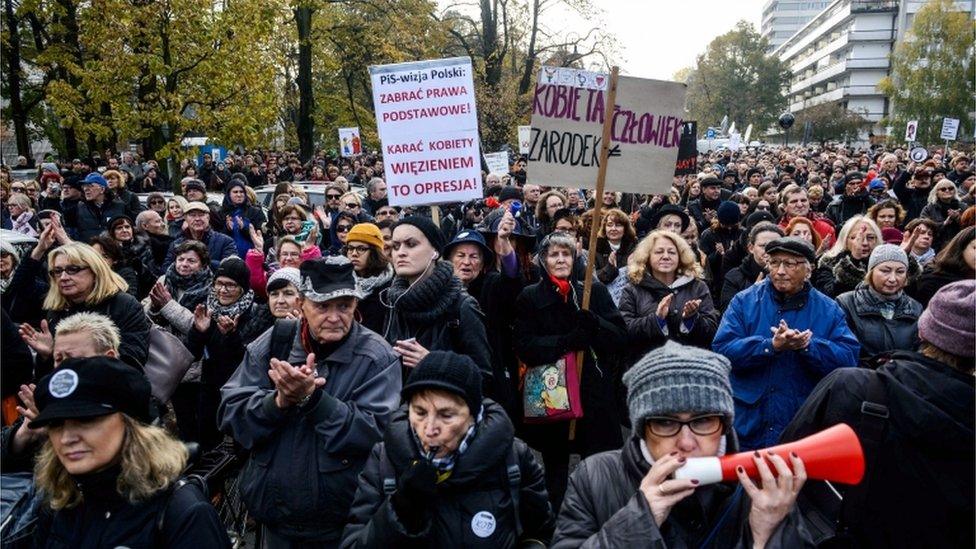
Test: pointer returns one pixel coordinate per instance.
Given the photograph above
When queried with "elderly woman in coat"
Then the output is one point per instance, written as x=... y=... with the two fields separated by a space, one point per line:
x=449 y=471
x=882 y=317
x=666 y=298
x=628 y=498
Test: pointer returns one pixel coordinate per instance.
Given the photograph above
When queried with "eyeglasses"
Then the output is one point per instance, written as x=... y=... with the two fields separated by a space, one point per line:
x=385 y=213
x=669 y=426
x=226 y=286
x=351 y=205
x=789 y=264
x=157 y=201
x=342 y=228
x=358 y=250
x=72 y=270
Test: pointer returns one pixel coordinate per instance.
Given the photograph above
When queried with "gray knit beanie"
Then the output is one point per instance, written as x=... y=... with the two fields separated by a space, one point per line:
x=887 y=252
x=676 y=378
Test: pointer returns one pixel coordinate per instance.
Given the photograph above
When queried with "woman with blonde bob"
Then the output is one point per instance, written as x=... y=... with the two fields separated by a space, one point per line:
x=82 y=281
x=845 y=264
x=107 y=478
x=666 y=297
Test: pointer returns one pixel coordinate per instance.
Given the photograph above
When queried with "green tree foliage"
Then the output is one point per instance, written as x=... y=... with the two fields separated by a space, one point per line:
x=831 y=122
x=735 y=77
x=933 y=73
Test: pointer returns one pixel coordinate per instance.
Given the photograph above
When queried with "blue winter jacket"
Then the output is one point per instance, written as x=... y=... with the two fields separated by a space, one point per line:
x=219 y=245
x=769 y=386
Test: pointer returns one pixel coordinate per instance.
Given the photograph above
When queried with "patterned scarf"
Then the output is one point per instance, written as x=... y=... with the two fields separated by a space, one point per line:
x=195 y=287
x=242 y=305
x=445 y=465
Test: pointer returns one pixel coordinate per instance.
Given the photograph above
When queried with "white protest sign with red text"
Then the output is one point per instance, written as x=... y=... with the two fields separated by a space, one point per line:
x=428 y=126
x=567 y=127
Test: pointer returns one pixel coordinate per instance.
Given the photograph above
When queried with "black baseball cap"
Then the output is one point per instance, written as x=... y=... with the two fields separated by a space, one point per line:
x=92 y=387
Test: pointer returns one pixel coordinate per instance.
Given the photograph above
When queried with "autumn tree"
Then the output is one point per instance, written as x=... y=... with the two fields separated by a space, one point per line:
x=933 y=73
x=735 y=77
x=831 y=122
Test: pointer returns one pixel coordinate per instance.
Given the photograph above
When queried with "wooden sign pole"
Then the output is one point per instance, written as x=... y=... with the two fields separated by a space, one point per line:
x=601 y=177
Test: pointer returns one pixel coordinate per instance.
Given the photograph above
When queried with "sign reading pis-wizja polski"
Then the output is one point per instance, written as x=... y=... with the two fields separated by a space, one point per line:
x=568 y=111
x=428 y=126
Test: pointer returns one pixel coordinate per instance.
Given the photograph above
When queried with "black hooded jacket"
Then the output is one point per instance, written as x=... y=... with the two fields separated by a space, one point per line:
x=478 y=484
x=920 y=483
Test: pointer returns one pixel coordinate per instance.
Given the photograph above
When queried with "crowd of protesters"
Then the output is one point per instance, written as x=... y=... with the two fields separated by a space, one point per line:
x=372 y=362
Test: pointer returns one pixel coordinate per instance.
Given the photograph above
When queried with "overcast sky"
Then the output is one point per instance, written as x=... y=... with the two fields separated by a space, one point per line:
x=658 y=37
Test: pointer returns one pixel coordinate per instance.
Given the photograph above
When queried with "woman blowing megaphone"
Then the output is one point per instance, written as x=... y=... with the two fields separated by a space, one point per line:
x=680 y=403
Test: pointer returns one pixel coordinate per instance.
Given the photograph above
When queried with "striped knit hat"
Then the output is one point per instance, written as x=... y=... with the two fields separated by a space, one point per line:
x=676 y=378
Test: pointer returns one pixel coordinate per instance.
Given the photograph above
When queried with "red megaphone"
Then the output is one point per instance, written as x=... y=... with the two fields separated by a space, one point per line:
x=833 y=454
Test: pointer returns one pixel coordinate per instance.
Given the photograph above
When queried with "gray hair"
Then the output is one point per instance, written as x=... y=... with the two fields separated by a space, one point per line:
x=373 y=183
x=143 y=218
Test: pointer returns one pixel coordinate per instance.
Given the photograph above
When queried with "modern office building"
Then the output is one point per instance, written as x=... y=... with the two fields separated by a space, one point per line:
x=782 y=18
x=843 y=53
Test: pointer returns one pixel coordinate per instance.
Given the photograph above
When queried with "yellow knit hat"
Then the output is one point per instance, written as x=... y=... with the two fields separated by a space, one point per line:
x=368 y=233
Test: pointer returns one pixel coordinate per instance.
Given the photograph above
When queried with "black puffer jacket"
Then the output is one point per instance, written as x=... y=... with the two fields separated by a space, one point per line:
x=106 y=519
x=543 y=322
x=604 y=508
x=496 y=295
x=478 y=485
x=224 y=352
x=738 y=279
x=604 y=270
x=920 y=478
x=846 y=207
x=638 y=307
x=863 y=308
x=441 y=315
x=88 y=219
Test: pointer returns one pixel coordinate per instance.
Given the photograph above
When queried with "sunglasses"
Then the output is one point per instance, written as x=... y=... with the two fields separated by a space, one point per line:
x=72 y=270
x=157 y=201
x=333 y=196
x=343 y=228
x=17 y=189
x=352 y=205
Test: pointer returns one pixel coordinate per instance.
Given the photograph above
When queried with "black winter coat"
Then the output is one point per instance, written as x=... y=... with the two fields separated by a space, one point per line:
x=543 y=321
x=931 y=281
x=441 y=315
x=720 y=263
x=874 y=332
x=739 y=279
x=224 y=352
x=28 y=287
x=846 y=207
x=106 y=519
x=131 y=203
x=602 y=267
x=496 y=295
x=88 y=220
x=638 y=307
x=912 y=199
x=479 y=483
x=605 y=509
x=920 y=479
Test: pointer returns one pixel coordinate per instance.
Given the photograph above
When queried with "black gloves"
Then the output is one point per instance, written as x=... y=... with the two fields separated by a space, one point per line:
x=415 y=494
x=587 y=327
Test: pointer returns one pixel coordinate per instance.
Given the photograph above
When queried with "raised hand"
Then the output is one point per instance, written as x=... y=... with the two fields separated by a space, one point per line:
x=201 y=318
x=690 y=308
x=293 y=384
x=664 y=307
x=40 y=340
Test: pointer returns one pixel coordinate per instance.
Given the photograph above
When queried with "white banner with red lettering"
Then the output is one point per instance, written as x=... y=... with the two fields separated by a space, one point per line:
x=428 y=126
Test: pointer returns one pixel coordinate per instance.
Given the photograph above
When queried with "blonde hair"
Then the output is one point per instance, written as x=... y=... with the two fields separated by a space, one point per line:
x=180 y=201
x=637 y=265
x=934 y=193
x=99 y=328
x=353 y=195
x=116 y=174
x=840 y=246
x=107 y=283
x=151 y=460
x=21 y=200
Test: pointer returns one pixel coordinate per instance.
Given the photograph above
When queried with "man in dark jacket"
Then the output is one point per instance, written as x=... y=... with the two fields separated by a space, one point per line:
x=917 y=433
x=219 y=245
x=705 y=208
x=309 y=428
x=681 y=407
x=91 y=216
x=854 y=201
x=913 y=191
x=753 y=267
x=449 y=472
